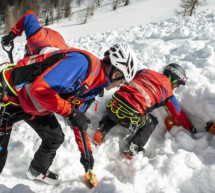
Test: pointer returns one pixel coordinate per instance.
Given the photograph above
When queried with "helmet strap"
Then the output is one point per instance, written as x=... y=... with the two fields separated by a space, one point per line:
x=111 y=73
x=174 y=81
x=119 y=78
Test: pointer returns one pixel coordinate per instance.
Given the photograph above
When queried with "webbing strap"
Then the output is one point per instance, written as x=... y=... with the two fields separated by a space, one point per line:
x=122 y=111
x=3 y=71
x=4 y=84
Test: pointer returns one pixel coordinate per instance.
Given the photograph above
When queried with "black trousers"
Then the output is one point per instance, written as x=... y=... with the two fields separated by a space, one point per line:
x=4 y=140
x=141 y=136
x=49 y=130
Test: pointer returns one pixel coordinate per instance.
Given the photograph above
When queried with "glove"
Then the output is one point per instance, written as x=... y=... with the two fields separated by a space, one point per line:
x=192 y=129
x=85 y=162
x=8 y=38
x=78 y=119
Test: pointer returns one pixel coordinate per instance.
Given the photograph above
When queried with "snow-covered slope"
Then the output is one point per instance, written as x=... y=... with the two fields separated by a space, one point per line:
x=174 y=161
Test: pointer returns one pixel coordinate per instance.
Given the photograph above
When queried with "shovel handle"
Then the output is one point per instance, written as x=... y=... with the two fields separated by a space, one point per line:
x=86 y=150
x=9 y=52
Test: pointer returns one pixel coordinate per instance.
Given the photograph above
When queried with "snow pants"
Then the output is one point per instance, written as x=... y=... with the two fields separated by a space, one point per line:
x=48 y=129
x=142 y=135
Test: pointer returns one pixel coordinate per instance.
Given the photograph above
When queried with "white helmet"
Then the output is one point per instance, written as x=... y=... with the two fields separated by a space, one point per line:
x=123 y=58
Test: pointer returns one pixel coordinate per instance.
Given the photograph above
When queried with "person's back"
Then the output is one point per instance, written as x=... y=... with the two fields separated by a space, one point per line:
x=131 y=104
x=147 y=89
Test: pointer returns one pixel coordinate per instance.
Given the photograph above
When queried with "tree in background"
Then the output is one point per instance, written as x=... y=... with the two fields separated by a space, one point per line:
x=116 y=3
x=67 y=8
x=79 y=2
x=9 y=19
x=88 y=11
x=50 y=10
x=188 y=7
x=47 y=11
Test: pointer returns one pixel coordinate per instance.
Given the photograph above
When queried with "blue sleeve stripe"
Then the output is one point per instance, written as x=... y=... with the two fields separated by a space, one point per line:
x=167 y=93
x=96 y=67
x=40 y=48
x=162 y=94
x=175 y=103
x=31 y=25
x=36 y=44
x=47 y=32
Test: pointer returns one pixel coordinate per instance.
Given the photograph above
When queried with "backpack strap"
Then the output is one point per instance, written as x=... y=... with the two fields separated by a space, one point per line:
x=7 y=93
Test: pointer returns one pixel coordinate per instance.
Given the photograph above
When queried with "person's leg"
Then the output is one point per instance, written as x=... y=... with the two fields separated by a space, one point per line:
x=5 y=132
x=143 y=134
x=141 y=137
x=49 y=130
x=4 y=140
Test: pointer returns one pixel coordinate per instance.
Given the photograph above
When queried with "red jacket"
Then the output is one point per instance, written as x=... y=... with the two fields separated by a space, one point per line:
x=149 y=90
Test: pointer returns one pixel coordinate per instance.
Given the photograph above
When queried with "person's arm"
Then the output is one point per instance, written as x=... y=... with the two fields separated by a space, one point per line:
x=28 y=23
x=176 y=111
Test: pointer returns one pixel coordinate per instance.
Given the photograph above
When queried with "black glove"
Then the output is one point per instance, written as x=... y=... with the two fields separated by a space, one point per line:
x=193 y=129
x=85 y=162
x=78 y=119
x=8 y=38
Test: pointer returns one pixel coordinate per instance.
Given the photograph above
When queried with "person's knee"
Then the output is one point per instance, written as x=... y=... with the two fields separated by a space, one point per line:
x=153 y=120
x=60 y=139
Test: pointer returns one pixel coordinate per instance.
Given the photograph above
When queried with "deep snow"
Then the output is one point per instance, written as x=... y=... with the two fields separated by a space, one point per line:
x=174 y=162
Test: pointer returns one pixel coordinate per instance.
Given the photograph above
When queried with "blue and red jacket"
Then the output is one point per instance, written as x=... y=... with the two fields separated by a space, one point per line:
x=149 y=90
x=38 y=37
x=78 y=69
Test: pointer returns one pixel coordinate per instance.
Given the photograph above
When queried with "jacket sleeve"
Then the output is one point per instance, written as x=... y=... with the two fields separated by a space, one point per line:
x=28 y=23
x=176 y=111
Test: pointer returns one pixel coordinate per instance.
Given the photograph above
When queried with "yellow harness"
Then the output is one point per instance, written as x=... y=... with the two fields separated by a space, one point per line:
x=122 y=111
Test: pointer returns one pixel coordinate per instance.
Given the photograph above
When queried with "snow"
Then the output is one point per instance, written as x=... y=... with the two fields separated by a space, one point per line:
x=174 y=162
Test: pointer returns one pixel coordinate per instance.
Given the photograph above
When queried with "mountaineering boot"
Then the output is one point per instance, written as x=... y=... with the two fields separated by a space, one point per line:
x=132 y=149
x=48 y=177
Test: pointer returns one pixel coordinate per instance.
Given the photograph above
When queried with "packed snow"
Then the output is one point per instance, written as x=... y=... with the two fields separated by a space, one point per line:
x=175 y=161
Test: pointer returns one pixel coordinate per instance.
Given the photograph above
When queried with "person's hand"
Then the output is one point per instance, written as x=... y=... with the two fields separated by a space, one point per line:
x=78 y=119
x=8 y=38
x=86 y=163
x=193 y=129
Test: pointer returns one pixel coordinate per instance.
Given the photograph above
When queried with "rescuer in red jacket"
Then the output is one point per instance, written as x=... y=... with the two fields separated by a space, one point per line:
x=39 y=39
x=131 y=104
x=44 y=84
